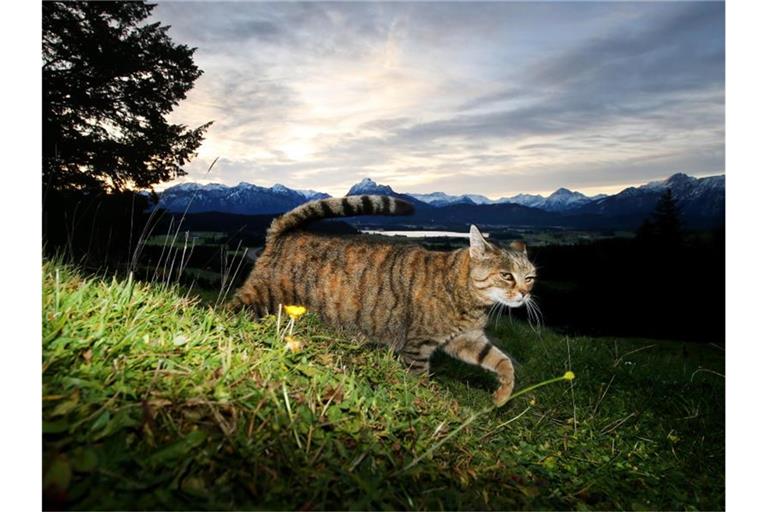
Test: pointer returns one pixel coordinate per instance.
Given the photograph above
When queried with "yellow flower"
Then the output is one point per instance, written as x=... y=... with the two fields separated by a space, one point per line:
x=569 y=375
x=293 y=344
x=295 y=312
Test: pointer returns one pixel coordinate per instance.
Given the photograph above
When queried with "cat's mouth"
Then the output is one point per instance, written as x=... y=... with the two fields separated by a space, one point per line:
x=502 y=298
x=514 y=303
x=534 y=313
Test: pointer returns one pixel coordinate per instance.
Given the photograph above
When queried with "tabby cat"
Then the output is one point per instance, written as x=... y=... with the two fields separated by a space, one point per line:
x=405 y=296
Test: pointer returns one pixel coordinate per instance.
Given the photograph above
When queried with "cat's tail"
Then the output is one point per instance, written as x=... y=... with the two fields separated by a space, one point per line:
x=337 y=207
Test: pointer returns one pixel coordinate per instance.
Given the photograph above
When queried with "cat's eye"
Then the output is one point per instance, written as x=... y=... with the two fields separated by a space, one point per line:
x=507 y=276
x=530 y=279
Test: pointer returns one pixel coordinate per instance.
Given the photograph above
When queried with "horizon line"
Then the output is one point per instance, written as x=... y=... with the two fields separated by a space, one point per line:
x=587 y=191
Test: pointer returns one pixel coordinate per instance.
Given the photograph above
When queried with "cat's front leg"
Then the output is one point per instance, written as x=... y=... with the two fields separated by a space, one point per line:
x=473 y=347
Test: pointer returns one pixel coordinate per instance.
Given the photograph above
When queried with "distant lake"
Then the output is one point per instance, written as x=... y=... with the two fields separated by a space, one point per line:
x=419 y=234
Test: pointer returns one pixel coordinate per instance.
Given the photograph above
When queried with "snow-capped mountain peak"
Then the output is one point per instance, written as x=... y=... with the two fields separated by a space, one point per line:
x=247 y=186
x=433 y=196
x=193 y=186
x=281 y=189
x=443 y=199
x=564 y=199
x=680 y=178
x=529 y=200
x=695 y=197
x=676 y=181
x=370 y=187
x=311 y=195
x=478 y=199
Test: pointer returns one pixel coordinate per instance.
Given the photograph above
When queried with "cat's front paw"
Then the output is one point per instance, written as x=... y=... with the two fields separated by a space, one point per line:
x=501 y=395
x=506 y=375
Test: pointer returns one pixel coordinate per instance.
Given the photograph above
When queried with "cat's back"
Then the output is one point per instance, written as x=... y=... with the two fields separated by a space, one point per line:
x=336 y=261
x=356 y=281
x=309 y=250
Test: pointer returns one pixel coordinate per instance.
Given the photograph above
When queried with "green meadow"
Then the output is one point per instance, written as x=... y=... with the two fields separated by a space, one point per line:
x=154 y=399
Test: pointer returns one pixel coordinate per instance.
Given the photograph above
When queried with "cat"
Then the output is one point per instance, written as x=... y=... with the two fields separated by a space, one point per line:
x=405 y=296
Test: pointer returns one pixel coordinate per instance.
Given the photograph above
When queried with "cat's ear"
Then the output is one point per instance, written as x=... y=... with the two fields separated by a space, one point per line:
x=478 y=247
x=519 y=246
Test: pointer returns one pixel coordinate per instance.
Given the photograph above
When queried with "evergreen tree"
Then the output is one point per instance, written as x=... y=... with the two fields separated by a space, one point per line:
x=667 y=218
x=109 y=81
x=663 y=226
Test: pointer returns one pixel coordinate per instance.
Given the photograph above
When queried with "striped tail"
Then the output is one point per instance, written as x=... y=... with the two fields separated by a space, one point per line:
x=337 y=207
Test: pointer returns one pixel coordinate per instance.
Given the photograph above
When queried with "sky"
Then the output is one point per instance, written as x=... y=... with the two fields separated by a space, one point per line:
x=485 y=98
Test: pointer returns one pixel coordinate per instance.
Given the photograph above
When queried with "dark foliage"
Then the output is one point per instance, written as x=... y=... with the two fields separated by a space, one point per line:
x=663 y=226
x=665 y=283
x=95 y=229
x=109 y=80
x=103 y=231
x=636 y=287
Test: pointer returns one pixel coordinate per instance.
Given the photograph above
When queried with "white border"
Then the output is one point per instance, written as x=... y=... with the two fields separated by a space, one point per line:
x=20 y=133
x=747 y=254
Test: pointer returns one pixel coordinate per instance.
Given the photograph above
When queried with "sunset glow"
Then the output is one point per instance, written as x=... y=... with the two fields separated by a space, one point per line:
x=487 y=98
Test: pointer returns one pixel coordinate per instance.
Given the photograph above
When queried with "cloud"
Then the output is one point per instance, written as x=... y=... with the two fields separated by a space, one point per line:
x=493 y=98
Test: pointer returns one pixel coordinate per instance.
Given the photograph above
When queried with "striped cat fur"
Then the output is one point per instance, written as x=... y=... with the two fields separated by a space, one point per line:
x=404 y=296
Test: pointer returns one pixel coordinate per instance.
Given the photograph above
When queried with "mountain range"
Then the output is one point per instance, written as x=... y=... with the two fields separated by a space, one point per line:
x=243 y=199
x=701 y=202
x=559 y=201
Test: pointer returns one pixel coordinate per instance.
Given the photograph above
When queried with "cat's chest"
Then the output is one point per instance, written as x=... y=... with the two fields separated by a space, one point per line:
x=463 y=321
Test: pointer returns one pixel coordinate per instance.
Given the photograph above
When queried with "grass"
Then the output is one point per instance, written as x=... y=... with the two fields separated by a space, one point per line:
x=154 y=401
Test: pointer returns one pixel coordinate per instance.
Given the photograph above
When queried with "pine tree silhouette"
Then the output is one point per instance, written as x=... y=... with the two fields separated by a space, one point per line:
x=109 y=80
x=667 y=216
x=663 y=226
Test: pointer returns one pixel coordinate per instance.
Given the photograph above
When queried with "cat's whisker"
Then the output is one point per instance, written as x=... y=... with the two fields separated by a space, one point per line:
x=508 y=310
x=530 y=313
x=537 y=308
x=535 y=311
x=498 y=306
x=497 y=313
x=504 y=309
x=532 y=317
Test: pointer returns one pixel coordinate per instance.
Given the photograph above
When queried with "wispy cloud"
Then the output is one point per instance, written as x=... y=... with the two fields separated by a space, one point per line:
x=495 y=98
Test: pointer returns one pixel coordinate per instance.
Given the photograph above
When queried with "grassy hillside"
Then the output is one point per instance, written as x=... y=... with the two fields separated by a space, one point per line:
x=154 y=401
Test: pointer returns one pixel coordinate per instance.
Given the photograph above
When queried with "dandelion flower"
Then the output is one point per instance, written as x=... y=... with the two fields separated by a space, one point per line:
x=295 y=312
x=569 y=375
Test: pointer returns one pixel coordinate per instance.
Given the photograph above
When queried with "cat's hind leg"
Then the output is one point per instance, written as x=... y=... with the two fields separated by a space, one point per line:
x=474 y=348
x=416 y=353
x=254 y=295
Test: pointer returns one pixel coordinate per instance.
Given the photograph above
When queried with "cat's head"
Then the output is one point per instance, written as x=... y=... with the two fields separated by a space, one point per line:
x=500 y=274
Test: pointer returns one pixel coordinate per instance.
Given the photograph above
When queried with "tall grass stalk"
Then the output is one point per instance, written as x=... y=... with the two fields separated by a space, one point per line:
x=482 y=412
